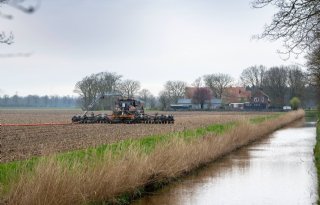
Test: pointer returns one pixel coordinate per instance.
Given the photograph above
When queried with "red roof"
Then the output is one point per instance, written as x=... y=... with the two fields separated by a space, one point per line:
x=236 y=95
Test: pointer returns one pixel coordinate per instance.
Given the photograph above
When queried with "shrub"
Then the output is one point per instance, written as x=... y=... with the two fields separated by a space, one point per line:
x=295 y=103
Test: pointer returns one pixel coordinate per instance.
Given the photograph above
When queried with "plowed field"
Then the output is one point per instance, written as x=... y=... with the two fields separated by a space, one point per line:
x=17 y=143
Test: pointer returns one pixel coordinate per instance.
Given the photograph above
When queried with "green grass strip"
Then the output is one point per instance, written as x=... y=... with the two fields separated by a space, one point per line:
x=261 y=119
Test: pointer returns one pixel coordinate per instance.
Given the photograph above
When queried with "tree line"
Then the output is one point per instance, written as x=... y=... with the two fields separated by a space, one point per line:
x=281 y=83
x=38 y=101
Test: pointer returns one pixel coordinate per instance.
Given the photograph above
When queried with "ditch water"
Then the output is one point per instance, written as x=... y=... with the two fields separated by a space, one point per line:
x=276 y=170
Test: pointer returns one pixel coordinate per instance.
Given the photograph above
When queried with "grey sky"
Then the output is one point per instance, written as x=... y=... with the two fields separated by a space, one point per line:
x=147 y=40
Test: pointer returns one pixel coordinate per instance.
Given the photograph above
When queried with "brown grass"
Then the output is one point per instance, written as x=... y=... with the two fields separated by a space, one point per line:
x=55 y=183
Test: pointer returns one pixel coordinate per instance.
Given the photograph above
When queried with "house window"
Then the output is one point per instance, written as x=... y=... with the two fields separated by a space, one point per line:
x=262 y=99
x=256 y=99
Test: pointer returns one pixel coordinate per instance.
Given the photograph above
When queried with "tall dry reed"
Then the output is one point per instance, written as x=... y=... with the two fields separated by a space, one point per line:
x=54 y=182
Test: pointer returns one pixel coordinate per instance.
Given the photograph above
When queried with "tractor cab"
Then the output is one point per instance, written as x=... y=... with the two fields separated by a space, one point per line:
x=128 y=106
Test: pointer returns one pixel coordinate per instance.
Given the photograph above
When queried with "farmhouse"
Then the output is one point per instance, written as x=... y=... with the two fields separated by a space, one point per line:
x=259 y=100
x=236 y=95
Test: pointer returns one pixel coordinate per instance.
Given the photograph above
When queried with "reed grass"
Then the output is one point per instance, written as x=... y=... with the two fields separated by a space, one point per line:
x=105 y=176
x=312 y=113
x=317 y=153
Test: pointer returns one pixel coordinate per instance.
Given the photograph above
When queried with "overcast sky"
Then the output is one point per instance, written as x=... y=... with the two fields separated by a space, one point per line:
x=151 y=41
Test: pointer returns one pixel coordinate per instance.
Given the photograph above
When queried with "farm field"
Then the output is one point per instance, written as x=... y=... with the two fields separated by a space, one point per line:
x=18 y=143
x=116 y=162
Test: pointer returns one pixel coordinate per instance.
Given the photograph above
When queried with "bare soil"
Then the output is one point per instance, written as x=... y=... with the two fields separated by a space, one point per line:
x=18 y=143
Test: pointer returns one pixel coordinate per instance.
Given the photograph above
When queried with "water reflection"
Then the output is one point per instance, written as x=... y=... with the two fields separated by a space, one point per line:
x=276 y=170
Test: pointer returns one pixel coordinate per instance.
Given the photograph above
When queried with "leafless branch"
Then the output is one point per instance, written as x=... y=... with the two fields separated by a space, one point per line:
x=20 y=5
x=6 y=39
x=296 y=23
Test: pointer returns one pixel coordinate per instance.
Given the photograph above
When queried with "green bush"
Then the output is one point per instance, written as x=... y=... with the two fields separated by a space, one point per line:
x=295 y=103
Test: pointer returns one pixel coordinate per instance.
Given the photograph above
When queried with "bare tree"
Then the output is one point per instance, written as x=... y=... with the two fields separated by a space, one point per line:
x=175 y=90
x=201 y=95
x=197 y=82
x=152 y=102
x=253 y=76
x=218 y=83
x=164 y=100
x=6 y=39
x=87 y=88
x=95 y=85
x=144 y=94
x=313 y=63
x=129 y=88
x=147 y=97
x=296 y=23
x=311 y=96
x=275 y=84
x=107 y=82
x=297 y=81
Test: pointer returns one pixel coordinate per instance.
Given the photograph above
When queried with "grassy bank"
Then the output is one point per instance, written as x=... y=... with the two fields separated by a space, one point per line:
x=317 y=154
x=311 y=113
x=107 y=172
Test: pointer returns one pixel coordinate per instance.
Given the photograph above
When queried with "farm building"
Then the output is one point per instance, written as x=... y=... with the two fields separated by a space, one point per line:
x=187 y=104
x=183 y=104
x=236 y=95
x=259 y=100
x=237 y=98
x=216 y=103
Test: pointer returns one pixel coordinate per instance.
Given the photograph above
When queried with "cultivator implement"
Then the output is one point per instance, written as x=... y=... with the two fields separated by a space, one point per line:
x=127 y=119
x=127 y=110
